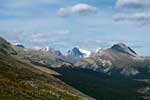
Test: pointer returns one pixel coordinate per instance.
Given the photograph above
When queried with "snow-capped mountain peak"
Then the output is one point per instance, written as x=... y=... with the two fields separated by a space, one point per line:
x=78 y=52
x=85 y=52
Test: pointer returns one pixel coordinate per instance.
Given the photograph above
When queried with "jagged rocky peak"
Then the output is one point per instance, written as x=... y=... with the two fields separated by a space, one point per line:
x=75 y=52
x=121 y=47
x=78 y=52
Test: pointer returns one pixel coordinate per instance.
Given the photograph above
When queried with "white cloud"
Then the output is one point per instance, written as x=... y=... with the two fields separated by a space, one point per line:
x=136 y=11
x=137 y=16
x=77 y=9
x=48 y=34
x=27 y=3
x=27 y=8
x=132 y=16
x=133 y=3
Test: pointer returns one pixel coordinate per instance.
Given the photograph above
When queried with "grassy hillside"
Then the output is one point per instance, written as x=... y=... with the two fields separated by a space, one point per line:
x=20 y=80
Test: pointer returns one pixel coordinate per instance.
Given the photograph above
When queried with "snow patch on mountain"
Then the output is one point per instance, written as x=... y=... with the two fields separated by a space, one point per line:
x=20 y=45
x=85 y=52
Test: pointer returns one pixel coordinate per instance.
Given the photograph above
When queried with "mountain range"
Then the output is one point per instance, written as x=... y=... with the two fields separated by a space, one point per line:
x=118 y=60
x=115 y=73
x=20 y=79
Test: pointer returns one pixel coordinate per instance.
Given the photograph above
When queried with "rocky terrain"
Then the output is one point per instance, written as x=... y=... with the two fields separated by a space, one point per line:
x=50 y=58
x=22 y=80
x=116 y=73
x=117 y=60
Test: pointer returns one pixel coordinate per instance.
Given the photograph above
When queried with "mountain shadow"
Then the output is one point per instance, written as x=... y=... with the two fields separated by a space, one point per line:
x=101 y=86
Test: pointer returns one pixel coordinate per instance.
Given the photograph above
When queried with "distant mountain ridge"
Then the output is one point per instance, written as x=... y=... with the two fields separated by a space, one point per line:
x=119 y=59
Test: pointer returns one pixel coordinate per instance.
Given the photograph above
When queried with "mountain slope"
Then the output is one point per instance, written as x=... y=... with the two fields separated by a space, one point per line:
x=48 y=58
x=102 y=86
x=124 y=49
x=119 y=59
x=6 y=48
x=21 y=80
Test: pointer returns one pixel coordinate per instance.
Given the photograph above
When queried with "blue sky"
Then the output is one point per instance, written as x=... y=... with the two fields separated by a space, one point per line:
x=89 y=24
